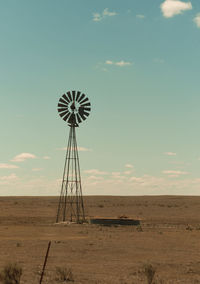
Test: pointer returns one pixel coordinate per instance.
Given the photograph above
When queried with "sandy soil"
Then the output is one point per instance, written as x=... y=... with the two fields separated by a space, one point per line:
x=168 y=238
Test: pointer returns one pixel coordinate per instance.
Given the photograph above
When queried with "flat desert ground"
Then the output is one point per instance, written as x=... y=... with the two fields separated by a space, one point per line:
x=168 y=239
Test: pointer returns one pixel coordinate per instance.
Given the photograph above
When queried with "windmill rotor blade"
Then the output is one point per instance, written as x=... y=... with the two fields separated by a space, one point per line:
x=73 y=95
x=61 y=105
x=82 y=112
x=86 y=113
x=66 y=98
x=63 y=101
x=85 y=100
x=82 y=116
x=72 y=119
x=62 y=109
x=78 y=95
x=87 y=104
x=81 y=97
x=66 y=117
x=87 y=108
x=63 y=113
x=78 y=118
x=69 y=96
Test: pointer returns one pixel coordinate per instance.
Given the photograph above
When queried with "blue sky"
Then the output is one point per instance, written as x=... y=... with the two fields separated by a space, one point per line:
x=137 y=61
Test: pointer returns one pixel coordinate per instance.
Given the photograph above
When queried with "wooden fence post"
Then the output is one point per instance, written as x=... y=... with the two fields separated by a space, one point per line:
x=45 y=262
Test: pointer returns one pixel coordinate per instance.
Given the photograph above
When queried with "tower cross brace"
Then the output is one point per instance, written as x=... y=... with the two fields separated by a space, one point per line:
x=71 y=207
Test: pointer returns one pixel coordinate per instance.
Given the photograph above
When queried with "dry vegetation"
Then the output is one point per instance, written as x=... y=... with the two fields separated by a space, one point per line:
x=165 y=248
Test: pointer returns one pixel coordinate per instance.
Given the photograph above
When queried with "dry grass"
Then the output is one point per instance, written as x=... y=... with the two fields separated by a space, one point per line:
x=64 y=274
x=11 y=274
x=168 y=238
x=149 y=272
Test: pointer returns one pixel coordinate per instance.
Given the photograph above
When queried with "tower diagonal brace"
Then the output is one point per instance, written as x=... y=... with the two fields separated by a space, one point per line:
x=70 y=206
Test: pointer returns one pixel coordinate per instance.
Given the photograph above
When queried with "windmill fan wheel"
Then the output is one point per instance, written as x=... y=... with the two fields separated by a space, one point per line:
x=74 y=107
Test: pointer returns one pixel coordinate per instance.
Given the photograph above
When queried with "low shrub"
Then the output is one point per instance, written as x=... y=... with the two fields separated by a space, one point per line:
x=149 y=272
x=11 y=274
x=64 y=274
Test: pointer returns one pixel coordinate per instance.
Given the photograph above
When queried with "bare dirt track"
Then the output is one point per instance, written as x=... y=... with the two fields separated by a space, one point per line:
x=168 y=238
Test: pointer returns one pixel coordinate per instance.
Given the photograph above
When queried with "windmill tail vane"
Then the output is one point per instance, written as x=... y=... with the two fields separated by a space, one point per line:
x=73 y=107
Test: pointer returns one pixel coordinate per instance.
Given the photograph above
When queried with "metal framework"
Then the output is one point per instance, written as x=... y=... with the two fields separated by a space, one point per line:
x=73 y=107
x=71 y=207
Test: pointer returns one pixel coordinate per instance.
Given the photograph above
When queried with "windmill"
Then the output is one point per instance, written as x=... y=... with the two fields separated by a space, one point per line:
x=73 y=107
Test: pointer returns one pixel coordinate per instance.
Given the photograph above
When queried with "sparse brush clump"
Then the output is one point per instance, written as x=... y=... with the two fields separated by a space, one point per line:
x=11 y=274
x=149 y=272
x=139 y=228
x=64 y=274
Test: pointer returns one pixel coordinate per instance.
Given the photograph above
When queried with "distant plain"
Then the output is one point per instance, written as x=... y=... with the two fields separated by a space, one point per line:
x=168 y=238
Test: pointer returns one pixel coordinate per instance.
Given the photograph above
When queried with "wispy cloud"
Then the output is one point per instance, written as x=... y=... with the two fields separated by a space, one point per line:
x=174 y=173
x=95 y=178
x=127 y=172
x=140 y=16
x=129 y=166
x=7 y=179
x=97 y=17
x=37 y=169
x=121 y=63
x=170 y=8
x=83 y=149
x=197 y=20
x=23 y=157
x=108 y=13
x=95 y=172
x=170 y=153
x=46 y=158
x=136 y=179
x=8 y=166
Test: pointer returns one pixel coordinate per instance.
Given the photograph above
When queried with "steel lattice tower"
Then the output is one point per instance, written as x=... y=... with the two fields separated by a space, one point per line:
x=73 y=108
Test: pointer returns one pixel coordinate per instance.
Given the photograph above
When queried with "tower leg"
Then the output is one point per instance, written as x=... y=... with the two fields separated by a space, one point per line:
x=70 y=206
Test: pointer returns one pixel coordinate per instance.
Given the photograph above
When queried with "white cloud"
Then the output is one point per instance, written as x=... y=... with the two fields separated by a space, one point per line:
x=121 y=63
x=170 y=8
x=7 y=179
x=127 y=172
x=46 y=158
x=170 y=153
x=116 y=183
x=37 y=169
x=106 y=12
x=83 y=149
x=140 y=16
x=136 y=179
x=172 y=173
x=8 y=166
x=117 y=176
x=97 y=17
x=22 y=157
x=109 y=62
x=129 y=166
x=115 y=173
x=95 y=172
x=95 y=178
x=197 y=20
